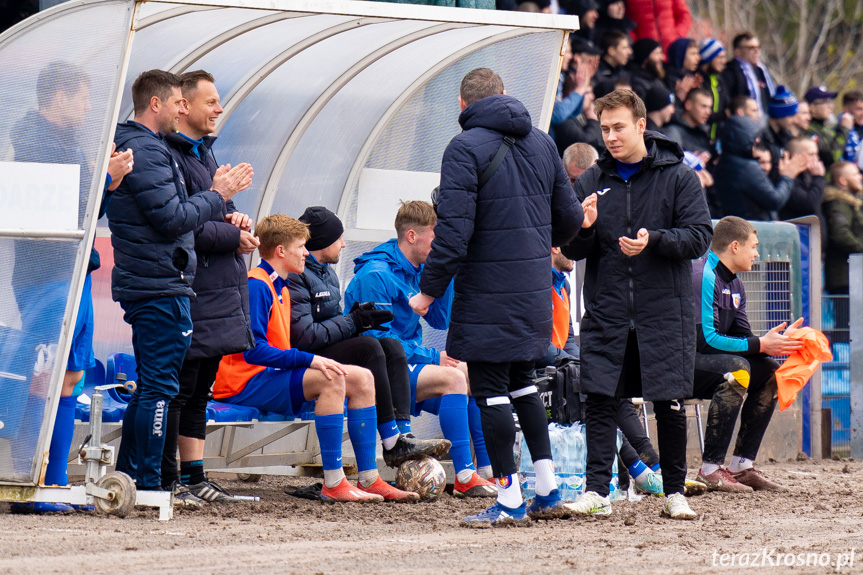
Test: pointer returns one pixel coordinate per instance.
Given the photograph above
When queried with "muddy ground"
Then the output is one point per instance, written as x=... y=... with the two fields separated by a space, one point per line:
x=822 y=514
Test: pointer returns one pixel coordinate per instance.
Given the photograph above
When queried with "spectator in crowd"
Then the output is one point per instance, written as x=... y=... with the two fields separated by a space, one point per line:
x=588 y=15
x=705 y=178
x=220 y=309
x=152 y=220
x=800 y=125
x=712 y=64
x=318 y=326
x=780 y=119
x=49 y=135
x=648 y=67
x=574 y=83
x=831 y=142
x=576 y=159
x=745 y=106
x=746 y=75
x=807 y=193
x=540 y=6
x=690 y=128
x=273 y=376
x=651 y=221
x=765 y=161
x=743 y=189
x=477 y=243
x=732 y=362
x=843 y=212
x=616 y=50
x=583 y=128
x=612 y=16
x=662 y=20
x=388 y=275
x=681 y=69
x=851 y=124
x=659 y=103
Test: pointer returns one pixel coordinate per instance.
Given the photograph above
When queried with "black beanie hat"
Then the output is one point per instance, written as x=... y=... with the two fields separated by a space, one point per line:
x=325 y=227
x=642 y=49
x=657 y=98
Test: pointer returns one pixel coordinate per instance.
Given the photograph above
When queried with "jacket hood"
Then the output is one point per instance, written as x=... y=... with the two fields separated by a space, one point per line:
x=660 y=152
x=131 y=130
x=387 y=253
x=832 y=193
x=677 y=52
x=738 y=135
x=500 y=113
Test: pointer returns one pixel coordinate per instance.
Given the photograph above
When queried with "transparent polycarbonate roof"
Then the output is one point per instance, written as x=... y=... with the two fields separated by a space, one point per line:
x=340 y=103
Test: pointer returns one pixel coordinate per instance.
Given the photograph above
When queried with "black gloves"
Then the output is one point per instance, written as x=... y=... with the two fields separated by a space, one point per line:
x=365 y=317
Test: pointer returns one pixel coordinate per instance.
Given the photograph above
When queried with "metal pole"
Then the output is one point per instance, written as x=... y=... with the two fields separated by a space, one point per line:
x=855 y=304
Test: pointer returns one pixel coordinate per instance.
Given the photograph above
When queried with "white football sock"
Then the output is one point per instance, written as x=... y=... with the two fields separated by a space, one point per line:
x=509 y=491
x=739 y=464
x=367 y=477
x=464 y=475
x=390 y=442
x=332 y=477
x=545 y=480
x=708 y=468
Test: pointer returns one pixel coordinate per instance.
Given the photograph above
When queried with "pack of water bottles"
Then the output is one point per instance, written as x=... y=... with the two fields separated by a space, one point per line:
x=569 y=453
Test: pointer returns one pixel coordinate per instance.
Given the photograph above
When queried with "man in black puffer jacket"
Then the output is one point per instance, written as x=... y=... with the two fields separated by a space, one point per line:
x=496 y=241
x=638 y=329
x=318 y=326
x=152 y=221
x=220 y=308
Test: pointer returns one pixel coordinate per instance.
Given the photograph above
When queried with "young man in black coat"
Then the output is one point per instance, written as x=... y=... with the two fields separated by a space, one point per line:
x=637 y=333
x=496 y=241
x=220 y=309
x=152 y=221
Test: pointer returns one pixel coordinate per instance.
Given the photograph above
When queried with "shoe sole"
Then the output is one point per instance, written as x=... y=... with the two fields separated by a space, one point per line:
x=473 y=493
x=559 y=512
x=328 y=499
x=508 y=522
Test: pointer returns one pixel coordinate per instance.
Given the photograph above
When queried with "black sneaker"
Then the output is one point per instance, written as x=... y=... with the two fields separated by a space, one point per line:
x=408 y=447
x=211 y=492
x=184 y=498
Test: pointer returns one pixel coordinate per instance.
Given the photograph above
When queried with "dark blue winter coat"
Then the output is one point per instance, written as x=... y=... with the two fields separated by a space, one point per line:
x=220 y=308
x=743 y=189
x=152 y=221
x=496 y=241
x=316 y=308
x=384 y=275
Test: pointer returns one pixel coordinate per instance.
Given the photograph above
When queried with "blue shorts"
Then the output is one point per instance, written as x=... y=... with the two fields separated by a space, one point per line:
x=267 y=391
x=81 y=354
x=432 y=405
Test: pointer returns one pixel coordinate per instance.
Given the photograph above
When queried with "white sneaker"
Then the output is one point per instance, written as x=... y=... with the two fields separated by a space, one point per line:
x=591 y=503
x=676 y=507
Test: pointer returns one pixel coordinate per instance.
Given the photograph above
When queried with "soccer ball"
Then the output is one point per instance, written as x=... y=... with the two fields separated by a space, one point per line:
x=425 y=476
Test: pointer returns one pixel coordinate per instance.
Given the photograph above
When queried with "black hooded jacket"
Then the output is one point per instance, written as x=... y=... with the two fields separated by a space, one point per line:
x=652 y=291
x=496 y=241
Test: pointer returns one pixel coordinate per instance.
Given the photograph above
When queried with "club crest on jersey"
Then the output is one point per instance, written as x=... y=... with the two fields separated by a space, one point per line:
x=735 y=299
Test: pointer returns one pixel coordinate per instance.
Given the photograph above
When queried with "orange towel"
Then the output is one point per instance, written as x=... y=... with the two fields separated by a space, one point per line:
x=794 y=373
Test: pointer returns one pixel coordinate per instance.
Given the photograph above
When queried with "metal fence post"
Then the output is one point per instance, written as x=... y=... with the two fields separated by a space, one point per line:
x=855 y=303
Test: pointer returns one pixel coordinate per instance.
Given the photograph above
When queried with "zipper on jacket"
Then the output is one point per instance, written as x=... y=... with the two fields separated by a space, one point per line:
x=629 y=259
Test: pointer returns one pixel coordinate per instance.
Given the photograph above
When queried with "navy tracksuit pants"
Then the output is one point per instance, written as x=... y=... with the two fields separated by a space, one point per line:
x=161 y=334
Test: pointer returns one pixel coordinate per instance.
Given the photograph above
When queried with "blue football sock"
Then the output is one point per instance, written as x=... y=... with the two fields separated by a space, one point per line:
x=474 y=421
x=389 y=432
x=453 y=423
x=404 y=426
x=637 y=468
x=362 y=429
x=329 y=429
x=61 y=442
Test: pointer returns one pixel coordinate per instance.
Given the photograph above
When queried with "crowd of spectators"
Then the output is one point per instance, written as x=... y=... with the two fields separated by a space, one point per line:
x=761 y=151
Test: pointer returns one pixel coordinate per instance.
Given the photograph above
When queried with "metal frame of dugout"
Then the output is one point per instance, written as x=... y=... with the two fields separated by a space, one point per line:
x=382 y=77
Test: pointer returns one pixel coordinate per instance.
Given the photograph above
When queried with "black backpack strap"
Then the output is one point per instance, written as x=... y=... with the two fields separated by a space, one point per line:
x=502 y=151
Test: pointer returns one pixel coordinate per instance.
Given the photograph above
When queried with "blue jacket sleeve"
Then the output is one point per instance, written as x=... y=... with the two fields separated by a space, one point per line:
x=260 y=304
x=565 y=108
x=438 y=314
x=159 y=200
x=217 y=237
x=761 y=190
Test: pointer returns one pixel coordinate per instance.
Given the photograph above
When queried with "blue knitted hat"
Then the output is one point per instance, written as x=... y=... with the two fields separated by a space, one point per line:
x=709 y=49
x=782 y=104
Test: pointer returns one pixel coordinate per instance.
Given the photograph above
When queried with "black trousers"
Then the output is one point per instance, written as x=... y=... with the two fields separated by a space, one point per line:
x=497 y=388
x=601 y=429
x=635 y=445
x=725 y=400
x=386 y=359
x=187 y=412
